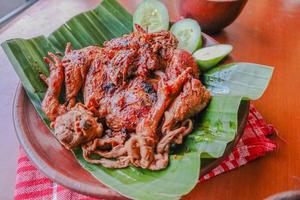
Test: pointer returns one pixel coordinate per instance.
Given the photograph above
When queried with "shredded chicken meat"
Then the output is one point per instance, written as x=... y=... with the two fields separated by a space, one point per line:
x=140 y=94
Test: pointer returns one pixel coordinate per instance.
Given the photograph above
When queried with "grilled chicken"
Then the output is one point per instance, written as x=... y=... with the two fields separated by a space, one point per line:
x=76 y=64
x=140 y=94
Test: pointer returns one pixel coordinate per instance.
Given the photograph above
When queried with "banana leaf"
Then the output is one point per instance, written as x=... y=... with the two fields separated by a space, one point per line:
x=216 y=126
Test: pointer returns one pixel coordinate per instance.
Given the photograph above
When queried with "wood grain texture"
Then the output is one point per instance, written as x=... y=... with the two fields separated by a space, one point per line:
x=266 y=32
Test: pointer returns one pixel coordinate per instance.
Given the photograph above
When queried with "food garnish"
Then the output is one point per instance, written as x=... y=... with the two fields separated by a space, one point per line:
x=188 y=33
x=210 y=56
x=152 y=16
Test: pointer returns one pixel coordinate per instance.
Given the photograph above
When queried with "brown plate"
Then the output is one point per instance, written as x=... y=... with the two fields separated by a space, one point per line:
x=61 y=166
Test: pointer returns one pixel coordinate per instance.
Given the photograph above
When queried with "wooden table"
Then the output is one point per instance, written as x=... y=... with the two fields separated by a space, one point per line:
x=266 y=32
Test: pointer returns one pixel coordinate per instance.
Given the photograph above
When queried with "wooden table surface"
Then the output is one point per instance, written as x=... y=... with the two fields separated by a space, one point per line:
x=267 y=32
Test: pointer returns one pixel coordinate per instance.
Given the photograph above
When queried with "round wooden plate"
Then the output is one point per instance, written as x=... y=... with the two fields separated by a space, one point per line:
x=60 y=165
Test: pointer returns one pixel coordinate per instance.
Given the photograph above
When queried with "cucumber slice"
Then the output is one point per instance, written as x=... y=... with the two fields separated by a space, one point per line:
x=151 y=15
x=188 y=33
x=210 y=56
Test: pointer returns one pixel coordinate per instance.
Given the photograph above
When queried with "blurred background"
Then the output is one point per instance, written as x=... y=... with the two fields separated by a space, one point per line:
x=11 y=8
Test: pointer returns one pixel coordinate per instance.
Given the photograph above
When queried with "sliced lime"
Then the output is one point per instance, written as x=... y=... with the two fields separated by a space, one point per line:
x=152 y=15
x=188 y=32
x=210 y=56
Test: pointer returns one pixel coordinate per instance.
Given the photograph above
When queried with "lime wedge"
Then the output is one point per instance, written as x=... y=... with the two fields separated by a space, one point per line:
x=152 y=16
x=210 y=56
x=188 y=33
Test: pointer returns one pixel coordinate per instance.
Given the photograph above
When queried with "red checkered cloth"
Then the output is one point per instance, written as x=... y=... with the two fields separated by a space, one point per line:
x=32 y=184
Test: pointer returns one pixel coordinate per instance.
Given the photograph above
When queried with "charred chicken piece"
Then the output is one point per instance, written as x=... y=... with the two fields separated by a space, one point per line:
x=112 y=145
x=177 y=124
x=179 y=62
x=77 y=127
x=152 y=49
x=147 y=134
x=192 y=100
x=76 y=64
x=130 y=104
x=108 y=146
x=51 y=105
x=71 y=127
x=117 y=85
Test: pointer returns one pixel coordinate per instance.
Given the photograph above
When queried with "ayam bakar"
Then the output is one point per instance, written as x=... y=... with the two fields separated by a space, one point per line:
x=140 y=95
